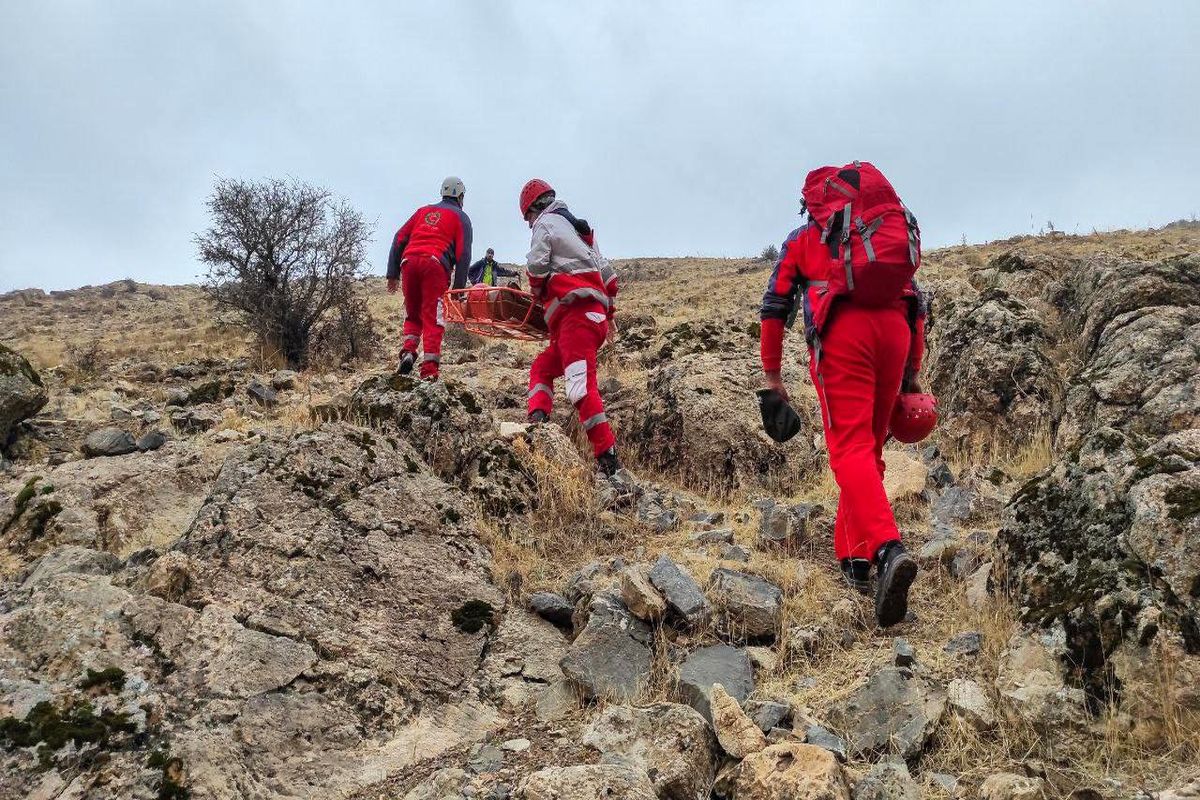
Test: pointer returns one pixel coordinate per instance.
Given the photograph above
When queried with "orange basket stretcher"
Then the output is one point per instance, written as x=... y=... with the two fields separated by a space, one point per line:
x=497 y=311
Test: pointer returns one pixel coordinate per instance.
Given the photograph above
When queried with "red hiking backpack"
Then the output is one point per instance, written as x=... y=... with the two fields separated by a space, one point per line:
x=868 y=232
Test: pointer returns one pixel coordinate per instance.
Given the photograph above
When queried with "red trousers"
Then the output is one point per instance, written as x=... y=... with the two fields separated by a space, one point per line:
x=423 y=280
x=575 y=335
x=858 y=377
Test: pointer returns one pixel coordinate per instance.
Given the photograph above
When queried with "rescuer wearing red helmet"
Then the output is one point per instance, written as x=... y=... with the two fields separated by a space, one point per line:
x=577 y=287
x=429 y=253
x=861 y=354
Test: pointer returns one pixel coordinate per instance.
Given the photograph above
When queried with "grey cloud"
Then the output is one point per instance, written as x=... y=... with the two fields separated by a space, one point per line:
x=677 y=128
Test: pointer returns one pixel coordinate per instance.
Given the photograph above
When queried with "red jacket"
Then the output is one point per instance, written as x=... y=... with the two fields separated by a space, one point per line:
x=441 y=231
x=565 y=266
x=804 y=264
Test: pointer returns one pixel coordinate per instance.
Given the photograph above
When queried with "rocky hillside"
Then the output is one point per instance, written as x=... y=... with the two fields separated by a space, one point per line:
x=221 y=579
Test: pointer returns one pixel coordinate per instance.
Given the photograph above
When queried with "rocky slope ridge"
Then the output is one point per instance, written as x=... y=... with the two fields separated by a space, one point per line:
x=220 y=580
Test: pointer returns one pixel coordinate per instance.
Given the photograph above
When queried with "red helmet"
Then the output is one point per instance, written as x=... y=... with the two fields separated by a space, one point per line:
x=531 y=191
x=914 y=417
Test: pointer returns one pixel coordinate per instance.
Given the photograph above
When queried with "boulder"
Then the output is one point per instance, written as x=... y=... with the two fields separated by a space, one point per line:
x=711 y=665
x=671 y=743
x=151 y=440
x=1007 y=786
x=989 y=368
x=108 y=442
x=588 y=782
x=694 y=422
x=1077 y=545
x=789 y=526
x=283 y=379
x=767 y=714
x=194 y=420
x=1032 y=688
x=552 y=607
x=684 y=598
x=746 y=607
x=736 y=732
x=791 y=771
x=262 y=394
x=610 y=659
x=904 y=476
x=895 y=712
x=22 y=393
x=445 y=421
x=887 y=780
x=640 y=596
x=1137 y=325
x=968 y=700
x=827 y=740
x=965 y=644
x=978 y=584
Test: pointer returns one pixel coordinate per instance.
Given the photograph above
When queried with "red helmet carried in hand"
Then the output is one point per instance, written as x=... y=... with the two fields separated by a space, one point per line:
x=532 y=191
x=914 y=417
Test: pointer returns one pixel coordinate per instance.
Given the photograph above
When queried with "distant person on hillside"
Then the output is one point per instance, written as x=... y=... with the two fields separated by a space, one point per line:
x=485 y=271
x=431 y=248
x=577 y=288
x=852 y=265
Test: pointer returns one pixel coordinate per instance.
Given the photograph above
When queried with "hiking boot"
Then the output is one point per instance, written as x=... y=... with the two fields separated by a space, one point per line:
x=895 y=572
x=407 y=360
x=608 y=463
x=857 y=573
x=538 y=416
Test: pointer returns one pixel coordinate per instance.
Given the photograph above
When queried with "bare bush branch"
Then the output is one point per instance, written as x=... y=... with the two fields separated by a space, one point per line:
x=286 y=256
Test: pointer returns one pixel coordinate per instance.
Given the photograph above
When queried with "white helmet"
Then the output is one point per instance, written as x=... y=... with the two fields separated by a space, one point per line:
x=453 y=187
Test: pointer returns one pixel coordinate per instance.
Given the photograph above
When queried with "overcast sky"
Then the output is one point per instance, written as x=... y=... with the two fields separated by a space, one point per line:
x=677 y=128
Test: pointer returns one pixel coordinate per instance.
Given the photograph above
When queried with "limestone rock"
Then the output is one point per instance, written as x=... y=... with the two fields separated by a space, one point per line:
x=736 y=732
x=683 y=595
x=712 y=665
x=977 y=585
x=747 y=607
x=639 y=595
x=611 y=656
x=693 y=419
x=1007 y=786
x=22 y=393
x=968 y=700
x=989 y=369
x=588 y=782
x=887 y=780
x=441 y=784
x=905 y=475
x=895 y=711
x=671 y=743
x=1032 y=688
x=791 y=771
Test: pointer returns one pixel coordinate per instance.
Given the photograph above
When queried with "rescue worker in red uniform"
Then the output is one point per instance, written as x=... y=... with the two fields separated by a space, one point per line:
x=577 y=287
x=866 y=355
x=431 y=250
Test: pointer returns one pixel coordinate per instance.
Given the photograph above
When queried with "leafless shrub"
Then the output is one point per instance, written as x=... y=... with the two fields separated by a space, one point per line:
x=769 y=253
x=286 y=256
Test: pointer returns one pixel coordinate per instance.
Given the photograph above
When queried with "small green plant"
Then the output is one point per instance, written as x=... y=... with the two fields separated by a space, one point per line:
x=109 y=678
x=472 y=615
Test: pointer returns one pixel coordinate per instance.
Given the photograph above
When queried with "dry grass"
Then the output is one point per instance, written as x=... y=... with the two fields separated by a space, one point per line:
x=86 y=331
